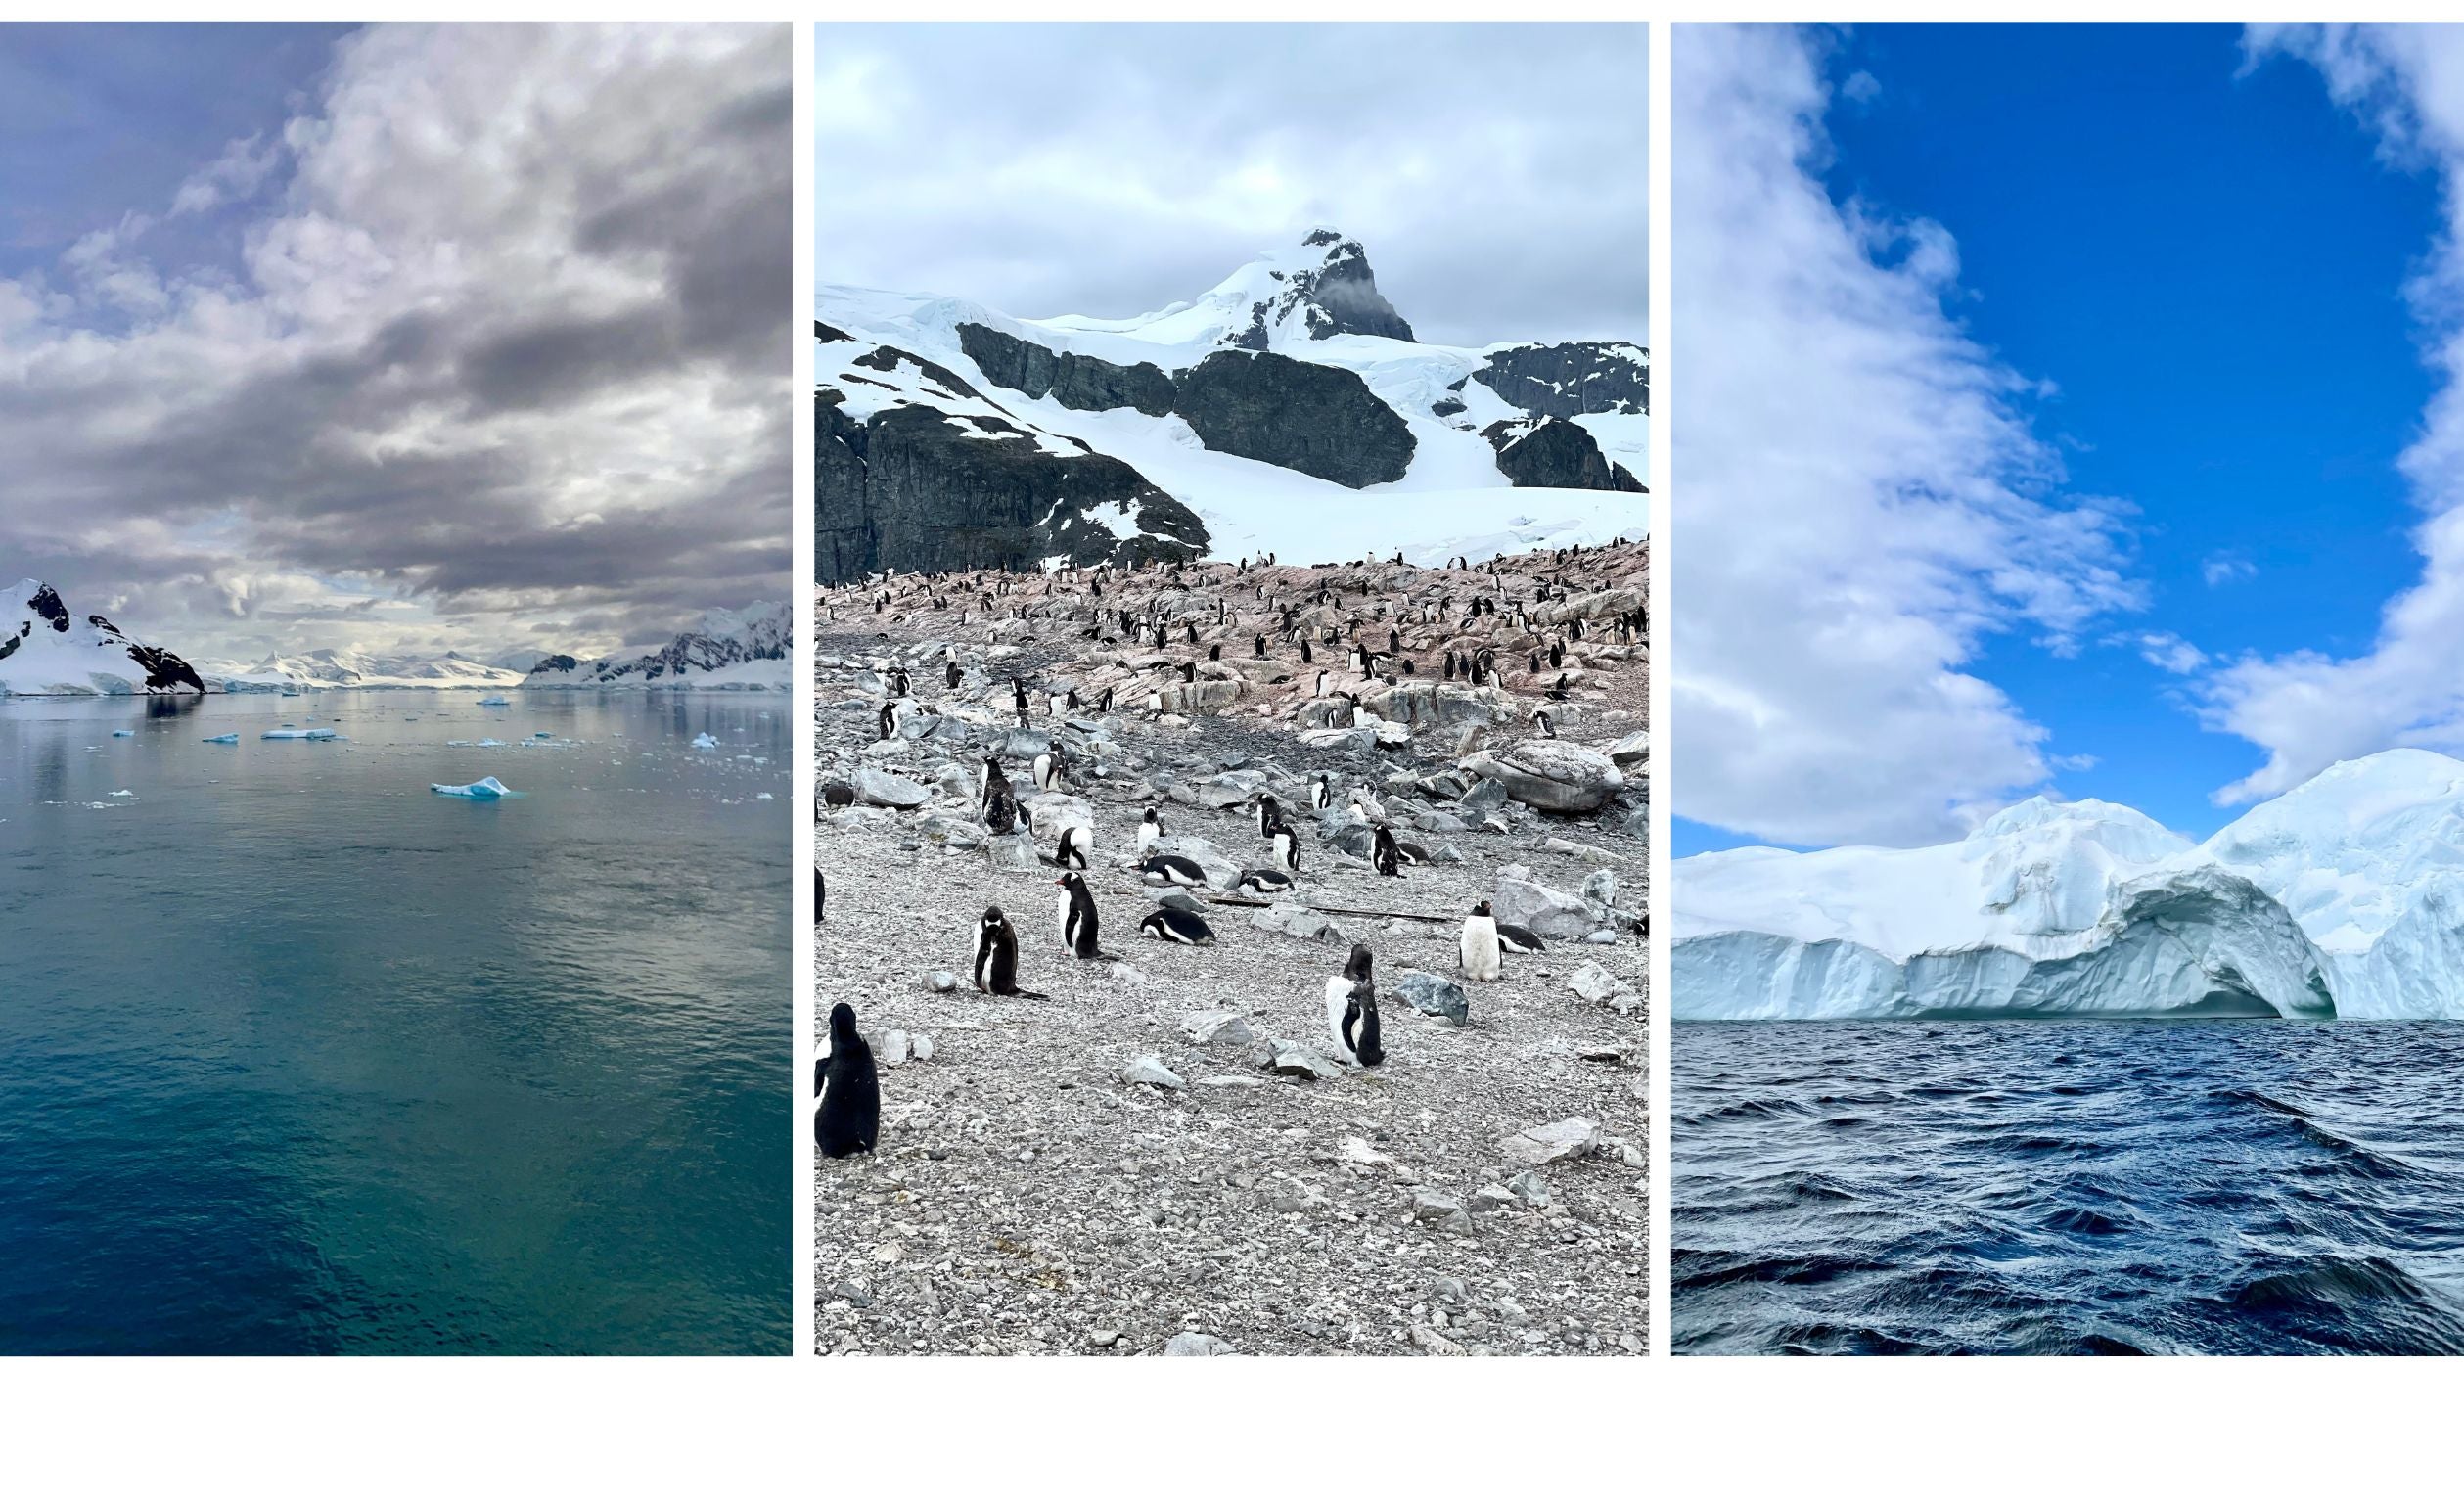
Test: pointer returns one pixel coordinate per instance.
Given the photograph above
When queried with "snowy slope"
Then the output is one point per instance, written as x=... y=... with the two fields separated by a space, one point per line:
x=47 y=651
x=2346 y=893
x=726 y=650
x=1119 y=402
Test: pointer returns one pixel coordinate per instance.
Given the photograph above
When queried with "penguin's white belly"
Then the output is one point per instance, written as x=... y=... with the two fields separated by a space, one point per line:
x=1063 y=918
x=1337 y=998
x=1480 y=952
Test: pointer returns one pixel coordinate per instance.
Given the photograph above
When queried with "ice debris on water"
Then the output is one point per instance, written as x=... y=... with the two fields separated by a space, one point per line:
x=123 y=732
x=489 y=788
x=704 y=741
x=311 y=734
x=224 y=738
x=494 y=700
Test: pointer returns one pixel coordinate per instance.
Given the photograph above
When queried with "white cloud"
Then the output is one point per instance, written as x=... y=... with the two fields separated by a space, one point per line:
x=504 y=357
x=2171 y=653
x=1858 y=503
x=2308 y=709
x=2223 y=569
x=1496 y=173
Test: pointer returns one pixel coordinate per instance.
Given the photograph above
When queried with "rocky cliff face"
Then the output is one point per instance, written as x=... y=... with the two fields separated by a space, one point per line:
x=1073 y=381
x=1555 y=452
x=1578 y=376
x=1317 y=420
x=1337 y=297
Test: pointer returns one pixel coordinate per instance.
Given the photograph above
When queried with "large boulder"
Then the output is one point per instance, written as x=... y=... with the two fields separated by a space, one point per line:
x=1553 y=913
x=1550 y=774
x=879 y=787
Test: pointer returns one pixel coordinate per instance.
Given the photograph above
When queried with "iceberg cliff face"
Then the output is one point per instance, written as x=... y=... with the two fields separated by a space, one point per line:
x=2050 y=909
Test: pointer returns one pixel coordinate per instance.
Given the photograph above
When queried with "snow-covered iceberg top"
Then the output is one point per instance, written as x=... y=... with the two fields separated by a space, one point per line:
x=488 y=788
x=2345 y=896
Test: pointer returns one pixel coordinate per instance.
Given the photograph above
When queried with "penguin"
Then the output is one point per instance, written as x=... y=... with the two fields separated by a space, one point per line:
x=1000 y=802
x=1059 y=704
x=1382 y=853
x=1351 y=1012
x=949 y=675
x=1215 y=652
x=1104 y=703
x=1047 y=770
x=1070 y=852
x=1150 y=830
x=849 y=1119
x=1306 y=657
x=821 y=895
x=900 y=684
x=889 y=720
x=1269 y=815
x=1077 y=917
x=1320 y=795
x=996 y=956
x=1173 y=869
x=1263 y=881
x=1189 y=674
x=838 y=793
x=1261 y=647
x=1320 y=690
x=1517 y=938
x=1359 y=659
x=1478 y=951
x=1557 y=654
x=1286 y=848
x=1178 y=926
x=1543 y=722
x=1155 y=703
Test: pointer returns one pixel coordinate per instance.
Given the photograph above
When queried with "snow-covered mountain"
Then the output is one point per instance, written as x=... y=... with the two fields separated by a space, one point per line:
x=350 y=669
x=1288 y=409
x=746 y=650
x=45 y=651
x=2344 y=896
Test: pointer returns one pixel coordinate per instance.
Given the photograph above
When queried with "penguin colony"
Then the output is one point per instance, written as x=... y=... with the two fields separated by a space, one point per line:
x=1125 y=641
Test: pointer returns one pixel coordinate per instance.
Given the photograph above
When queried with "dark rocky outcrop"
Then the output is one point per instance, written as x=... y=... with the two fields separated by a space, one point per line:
x=46 y=605
x=1576 y=377
x=555 y=664
x=1321 y=420
x=1555 y=452
x=909 y=490
x=1073 y=381
x=1338 y=297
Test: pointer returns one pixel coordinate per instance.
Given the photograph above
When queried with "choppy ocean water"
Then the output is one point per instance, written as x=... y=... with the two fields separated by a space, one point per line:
x=2214 y=1186
x=296 y=1056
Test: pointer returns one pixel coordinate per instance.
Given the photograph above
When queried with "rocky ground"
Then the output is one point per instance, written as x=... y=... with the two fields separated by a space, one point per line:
x=1159 y=1157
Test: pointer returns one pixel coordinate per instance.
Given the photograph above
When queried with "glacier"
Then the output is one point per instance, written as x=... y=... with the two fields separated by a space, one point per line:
x=2342 y=897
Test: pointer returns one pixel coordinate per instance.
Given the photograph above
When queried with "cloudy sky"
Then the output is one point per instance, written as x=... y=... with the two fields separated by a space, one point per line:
x=1496 y=173
x=2088 y=397
x=400 y=339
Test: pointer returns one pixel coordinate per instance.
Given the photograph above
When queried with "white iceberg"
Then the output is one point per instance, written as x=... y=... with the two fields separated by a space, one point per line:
x=704 y=741
x=489 y=788
x=2344 y=896
x=494 y=700
x=312 y=734
x=223 y=738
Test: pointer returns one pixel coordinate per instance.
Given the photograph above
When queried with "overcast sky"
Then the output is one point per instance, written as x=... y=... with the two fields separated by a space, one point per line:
x=404 y=338
x=1496 y=173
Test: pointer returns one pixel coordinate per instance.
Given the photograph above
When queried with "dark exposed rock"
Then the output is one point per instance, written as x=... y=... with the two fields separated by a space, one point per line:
x=555 y=664
x=1555 y=452
x=1072 y=380
x=911 y=490
x=1321 y=420
x=1338 y=297
x=889 y=358
x=823 y=332
x=1576 y=377
x=46 y=605
x=1446 y=407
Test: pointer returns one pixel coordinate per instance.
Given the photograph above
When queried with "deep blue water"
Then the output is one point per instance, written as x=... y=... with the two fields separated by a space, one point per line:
x=2215 y=1187
x=296 y=1056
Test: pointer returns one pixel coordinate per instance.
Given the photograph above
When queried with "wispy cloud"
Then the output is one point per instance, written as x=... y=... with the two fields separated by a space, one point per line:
x=1859 y=501
x=504 y=351
x=2223 y=570
x=2310 y=709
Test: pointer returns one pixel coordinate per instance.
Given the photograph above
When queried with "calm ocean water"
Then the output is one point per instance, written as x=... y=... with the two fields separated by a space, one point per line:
x=2219 y=1186
x=296 y=1056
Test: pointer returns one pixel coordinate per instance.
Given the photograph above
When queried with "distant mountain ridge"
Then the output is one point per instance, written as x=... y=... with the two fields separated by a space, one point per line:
x=349 y=669
x=1289 y=408
x=726 y=650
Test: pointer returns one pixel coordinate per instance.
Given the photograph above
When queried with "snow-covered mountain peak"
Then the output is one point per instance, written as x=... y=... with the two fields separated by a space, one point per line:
x=47 y=651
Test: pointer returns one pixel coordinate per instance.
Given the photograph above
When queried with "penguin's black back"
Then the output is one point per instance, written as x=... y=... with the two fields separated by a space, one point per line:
x=850 y=1117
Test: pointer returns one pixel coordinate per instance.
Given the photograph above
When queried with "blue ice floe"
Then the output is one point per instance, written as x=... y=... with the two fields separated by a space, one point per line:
x=489 y=788
x=123 y=732
x=312 y=734
x=704 y=741
x=224 y=738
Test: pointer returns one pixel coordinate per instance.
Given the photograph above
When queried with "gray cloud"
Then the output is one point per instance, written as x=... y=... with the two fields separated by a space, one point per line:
x=505 y=358
x=1498 y=173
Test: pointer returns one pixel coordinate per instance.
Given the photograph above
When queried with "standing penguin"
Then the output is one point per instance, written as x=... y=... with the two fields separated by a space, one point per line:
x=1478 y=951
x=1070 y=852
x=889 y=720
x=1541 y=720
x=1321 y=796
x=1261 y=647
x=1000 y=802
x=996 y=956
x=1150 y=830
x=949 y=675
x=1269 y=815
x=1351 y=1012
x=1286 y=848
x=849 y=1119
x=1383 y=856
x=1047 y=769
x=1078 y=916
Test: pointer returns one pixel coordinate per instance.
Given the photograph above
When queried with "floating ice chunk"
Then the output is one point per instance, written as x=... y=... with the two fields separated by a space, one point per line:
x=704 y=741
x=489 y=788
x=123 y=794
x=494 y=700
x=123 y=732
x=313 y=734
x=490 y=743
x=764 y=795
x=224 y=738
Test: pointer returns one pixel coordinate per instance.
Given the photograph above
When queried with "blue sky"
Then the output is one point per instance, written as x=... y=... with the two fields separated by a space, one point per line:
x=2204 y=262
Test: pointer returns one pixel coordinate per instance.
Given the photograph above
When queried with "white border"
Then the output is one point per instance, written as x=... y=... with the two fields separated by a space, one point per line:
x=1663 y=397
x=801 y=954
